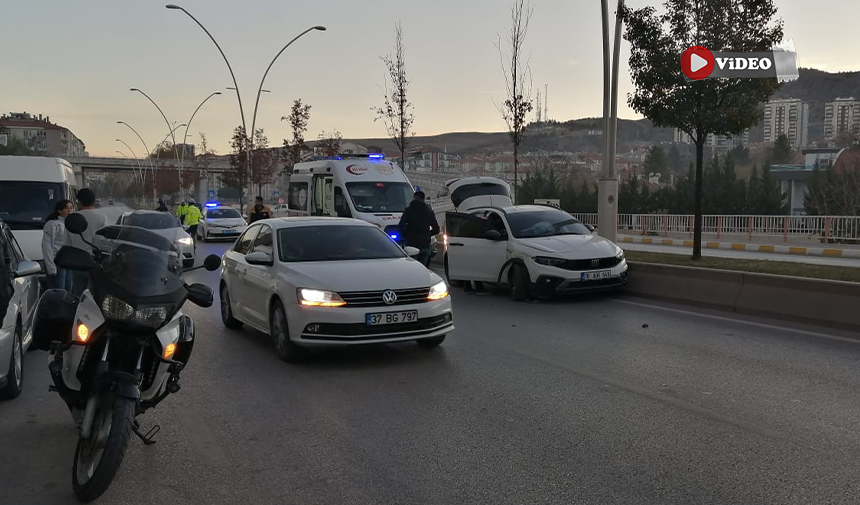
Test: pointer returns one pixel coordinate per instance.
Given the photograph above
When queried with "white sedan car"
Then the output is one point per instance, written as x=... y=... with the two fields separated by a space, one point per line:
x=220 y=223
x=165 y=225
x=312 y=282
x=16 y=323
x=536 y=250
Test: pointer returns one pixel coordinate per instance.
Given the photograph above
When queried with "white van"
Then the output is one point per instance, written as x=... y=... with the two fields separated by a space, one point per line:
x=472 y=192
x=371 y=189
x=29 y=189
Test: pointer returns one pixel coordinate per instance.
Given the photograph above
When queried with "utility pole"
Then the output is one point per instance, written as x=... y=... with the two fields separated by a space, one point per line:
x=607 y=186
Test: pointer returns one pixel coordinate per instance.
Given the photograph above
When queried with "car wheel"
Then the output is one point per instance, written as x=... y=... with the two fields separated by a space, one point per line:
x=15 y=373
x=431 y=342
x=451 y=282
x=519 y=283
x=280 y=333
x=227 y=310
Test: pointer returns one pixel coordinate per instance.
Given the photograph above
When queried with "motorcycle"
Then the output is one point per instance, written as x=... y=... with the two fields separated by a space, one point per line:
x=122 y=345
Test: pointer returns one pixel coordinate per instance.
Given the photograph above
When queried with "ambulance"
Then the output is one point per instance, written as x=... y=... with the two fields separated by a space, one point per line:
x=365 y=187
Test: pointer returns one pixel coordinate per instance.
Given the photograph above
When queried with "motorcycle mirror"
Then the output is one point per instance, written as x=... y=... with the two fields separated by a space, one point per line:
x=212 y=262
x=76 y=223
x=200 y=294
x=72 y=258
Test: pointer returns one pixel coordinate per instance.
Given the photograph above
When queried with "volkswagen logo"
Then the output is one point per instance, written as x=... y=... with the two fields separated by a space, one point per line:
x=389 y=297
x=595 y=263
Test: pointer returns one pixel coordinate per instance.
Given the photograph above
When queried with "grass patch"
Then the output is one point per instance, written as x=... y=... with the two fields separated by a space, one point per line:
x=835 y=273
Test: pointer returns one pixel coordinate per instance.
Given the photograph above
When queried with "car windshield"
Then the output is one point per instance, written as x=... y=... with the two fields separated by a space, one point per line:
x=222 y=214
x=26 y=205
x=480 y=189
x=380 y=196
x=151 y=221
x=544 y=223
x=335 y=243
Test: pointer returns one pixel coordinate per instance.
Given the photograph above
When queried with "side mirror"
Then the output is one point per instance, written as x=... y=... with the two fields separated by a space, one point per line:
x=212 y=262
x=590 y=228
x=27 y=268
x=412 y=251
x=76 y=223
x=71 y=258
x=259 y=258
x=200 y=294
x=493 y=235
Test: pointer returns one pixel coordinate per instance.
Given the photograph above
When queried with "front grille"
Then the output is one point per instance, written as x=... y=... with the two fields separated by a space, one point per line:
x=355 y=332
x=589 y=264
x=374 y=298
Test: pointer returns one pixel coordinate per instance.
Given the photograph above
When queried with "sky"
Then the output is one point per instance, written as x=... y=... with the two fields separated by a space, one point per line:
x=76 y=60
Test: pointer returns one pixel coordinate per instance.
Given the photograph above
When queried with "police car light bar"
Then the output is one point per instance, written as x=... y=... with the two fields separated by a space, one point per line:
x=211 y=205
x=376 y=156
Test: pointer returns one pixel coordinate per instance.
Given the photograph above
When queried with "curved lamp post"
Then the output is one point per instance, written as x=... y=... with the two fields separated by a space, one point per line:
x=185 y=137
x=162 y=115
x=236 y=86
x=136 y=159
x=149 y=156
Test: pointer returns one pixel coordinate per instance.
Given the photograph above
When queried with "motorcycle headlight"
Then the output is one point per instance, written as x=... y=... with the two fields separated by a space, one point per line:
x=438 y=292
x=550 y=262
x=185 y=241
x=319 y=298
x=152 y=316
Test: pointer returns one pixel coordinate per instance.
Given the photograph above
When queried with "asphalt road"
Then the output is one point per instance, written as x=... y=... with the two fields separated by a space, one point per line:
x=602 y=400
x=748 y=255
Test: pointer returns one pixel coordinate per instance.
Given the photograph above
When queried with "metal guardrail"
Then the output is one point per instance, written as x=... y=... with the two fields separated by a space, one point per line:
x=827 y=229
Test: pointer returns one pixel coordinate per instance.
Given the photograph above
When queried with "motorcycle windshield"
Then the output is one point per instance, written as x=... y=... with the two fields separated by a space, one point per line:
x=140 y=262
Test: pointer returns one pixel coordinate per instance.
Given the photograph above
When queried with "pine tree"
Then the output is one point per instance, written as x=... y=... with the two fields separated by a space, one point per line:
x=773 y=199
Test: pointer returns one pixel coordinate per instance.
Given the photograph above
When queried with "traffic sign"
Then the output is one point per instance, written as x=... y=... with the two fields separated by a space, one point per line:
x=277 y=193
x=212 y=193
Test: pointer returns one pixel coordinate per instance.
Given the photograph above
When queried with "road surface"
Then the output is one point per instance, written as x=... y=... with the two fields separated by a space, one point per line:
x=747 y=255
x=595 y=400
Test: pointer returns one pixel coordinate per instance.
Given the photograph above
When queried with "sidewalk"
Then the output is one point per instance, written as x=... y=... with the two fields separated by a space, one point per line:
x=830 y=252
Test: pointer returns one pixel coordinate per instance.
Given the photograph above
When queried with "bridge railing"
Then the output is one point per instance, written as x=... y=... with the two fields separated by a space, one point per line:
x=824 y=229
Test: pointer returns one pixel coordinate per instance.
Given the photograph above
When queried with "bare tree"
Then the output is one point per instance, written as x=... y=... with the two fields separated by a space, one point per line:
x=329 y=142
x=396 y=110
x=299 y=116
x=518 y=85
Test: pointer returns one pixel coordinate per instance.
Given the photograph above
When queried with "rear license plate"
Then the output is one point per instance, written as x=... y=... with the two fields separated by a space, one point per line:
x=383 y=318
x=596 y=276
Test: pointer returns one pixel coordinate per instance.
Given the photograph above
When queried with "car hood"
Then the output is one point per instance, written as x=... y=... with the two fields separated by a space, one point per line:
x=361 y=275
x=574 y=246
x=172 y=234
x=237 y=221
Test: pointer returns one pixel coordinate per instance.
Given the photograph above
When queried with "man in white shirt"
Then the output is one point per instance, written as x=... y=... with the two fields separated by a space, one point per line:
x=95 y=220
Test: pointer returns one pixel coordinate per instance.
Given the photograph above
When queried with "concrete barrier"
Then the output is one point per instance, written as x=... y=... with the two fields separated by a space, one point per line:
x=826 y=303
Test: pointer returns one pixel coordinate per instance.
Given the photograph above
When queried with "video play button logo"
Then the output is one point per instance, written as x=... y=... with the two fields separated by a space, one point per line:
x=697 y=62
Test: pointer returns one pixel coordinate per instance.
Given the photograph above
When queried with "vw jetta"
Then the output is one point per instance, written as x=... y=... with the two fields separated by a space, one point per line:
x=330 y=282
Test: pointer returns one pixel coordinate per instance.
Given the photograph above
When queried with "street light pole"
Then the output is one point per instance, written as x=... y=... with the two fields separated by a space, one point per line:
x=175 y=152
x=137 y=160
x=185 y=137
x=158 y=158
x=607 y=186
x=149 y=156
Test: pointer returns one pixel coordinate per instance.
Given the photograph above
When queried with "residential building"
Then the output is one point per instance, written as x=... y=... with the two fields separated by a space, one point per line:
x=789 y=117
x=841 y=117
x=794 y=179
x=430 y=159
x=720 y=142
x=41 y=135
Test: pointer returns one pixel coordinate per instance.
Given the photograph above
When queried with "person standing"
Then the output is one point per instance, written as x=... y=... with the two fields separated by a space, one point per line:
x=259 y=211
x=192 y=220
x=161 y=206
x=418 y=225
x=53 y=238
x=95 y=220
x=180 y=212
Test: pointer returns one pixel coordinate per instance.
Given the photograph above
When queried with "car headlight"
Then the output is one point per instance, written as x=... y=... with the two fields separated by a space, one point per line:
x=185 y=241
x=152 y=316
x=620 y=254
x=550 y=262
x=438 y=292
x=319 y=298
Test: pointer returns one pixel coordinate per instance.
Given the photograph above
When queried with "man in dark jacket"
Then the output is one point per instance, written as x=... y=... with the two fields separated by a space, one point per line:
x=418 y=225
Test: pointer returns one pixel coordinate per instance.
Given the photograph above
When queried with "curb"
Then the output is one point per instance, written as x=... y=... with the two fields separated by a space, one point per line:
x=735 y=246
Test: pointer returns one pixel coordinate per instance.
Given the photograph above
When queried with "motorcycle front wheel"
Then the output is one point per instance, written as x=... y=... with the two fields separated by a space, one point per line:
x=98 y=457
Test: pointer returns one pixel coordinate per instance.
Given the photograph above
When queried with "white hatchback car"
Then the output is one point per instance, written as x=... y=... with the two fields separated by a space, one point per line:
x=16 y=323
x=165 y=225
x=536 y=250
x=220 y=223
x=330 y=282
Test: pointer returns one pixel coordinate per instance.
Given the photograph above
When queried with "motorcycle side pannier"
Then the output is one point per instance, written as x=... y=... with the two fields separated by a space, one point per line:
x=53 y=319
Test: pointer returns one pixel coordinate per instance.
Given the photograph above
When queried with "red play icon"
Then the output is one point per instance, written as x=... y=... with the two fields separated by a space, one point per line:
x=697 y=62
